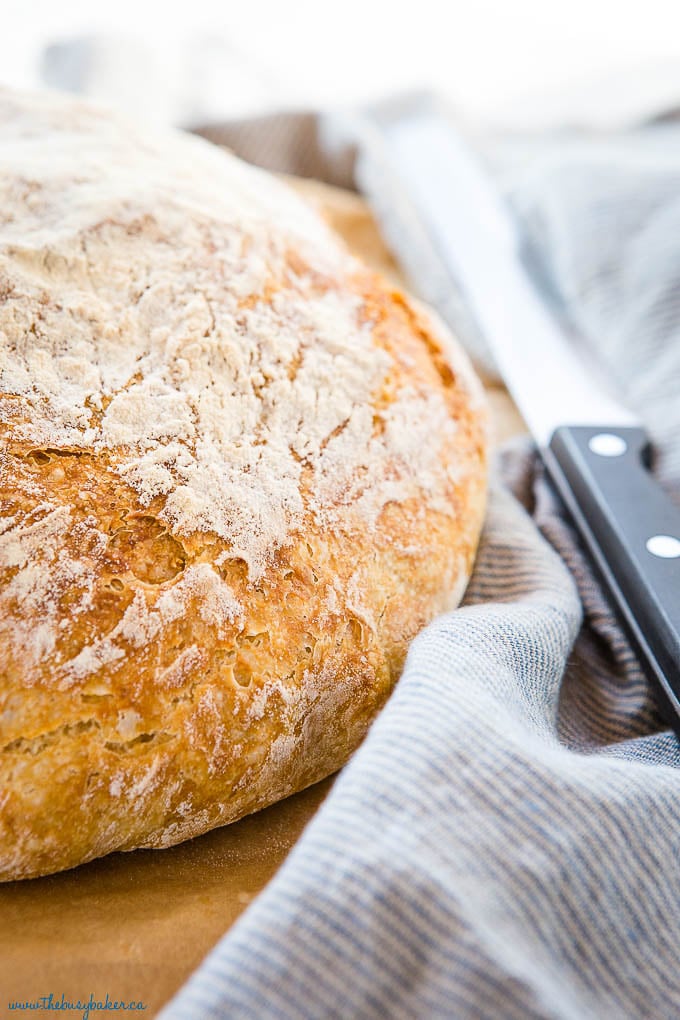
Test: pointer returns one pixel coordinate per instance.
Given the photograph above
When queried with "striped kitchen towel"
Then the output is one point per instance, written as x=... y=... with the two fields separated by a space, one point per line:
x=506 y=842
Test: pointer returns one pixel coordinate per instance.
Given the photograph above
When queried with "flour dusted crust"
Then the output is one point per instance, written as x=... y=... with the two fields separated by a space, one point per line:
x=238 y=473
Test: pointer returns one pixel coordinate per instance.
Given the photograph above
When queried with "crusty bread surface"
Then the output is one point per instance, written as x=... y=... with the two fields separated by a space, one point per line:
x=238 y=474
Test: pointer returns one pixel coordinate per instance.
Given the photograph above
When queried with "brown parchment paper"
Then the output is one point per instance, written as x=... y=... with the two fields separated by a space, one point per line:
x=135 y=925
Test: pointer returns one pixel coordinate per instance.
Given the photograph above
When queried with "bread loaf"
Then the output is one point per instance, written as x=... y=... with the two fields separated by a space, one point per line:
x=238 y=474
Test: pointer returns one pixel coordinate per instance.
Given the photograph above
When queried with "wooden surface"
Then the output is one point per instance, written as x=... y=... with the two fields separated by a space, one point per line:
x=136 y=925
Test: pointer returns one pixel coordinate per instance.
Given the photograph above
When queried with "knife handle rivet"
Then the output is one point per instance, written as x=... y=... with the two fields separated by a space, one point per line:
x=665 y=546
x=607 y=444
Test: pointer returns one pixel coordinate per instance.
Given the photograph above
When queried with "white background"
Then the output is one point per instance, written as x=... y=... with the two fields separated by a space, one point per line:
x=513 y=62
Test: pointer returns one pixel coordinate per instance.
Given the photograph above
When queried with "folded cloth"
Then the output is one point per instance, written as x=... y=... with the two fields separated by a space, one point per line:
x=505 y=842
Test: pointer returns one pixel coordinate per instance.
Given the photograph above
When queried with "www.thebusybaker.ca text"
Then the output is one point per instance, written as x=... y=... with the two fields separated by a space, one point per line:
x=84 y=1007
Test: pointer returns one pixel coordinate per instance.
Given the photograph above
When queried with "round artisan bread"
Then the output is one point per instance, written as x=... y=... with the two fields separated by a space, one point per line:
x=238 y=474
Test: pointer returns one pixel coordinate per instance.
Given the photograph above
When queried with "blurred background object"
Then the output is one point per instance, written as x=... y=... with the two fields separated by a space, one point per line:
x=527 y=64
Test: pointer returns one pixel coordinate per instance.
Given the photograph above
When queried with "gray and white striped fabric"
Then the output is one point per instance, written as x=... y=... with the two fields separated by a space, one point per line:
x=506 y=843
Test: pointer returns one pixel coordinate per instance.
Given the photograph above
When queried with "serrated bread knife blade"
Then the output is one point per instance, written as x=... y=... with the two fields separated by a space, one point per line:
x=596 y=451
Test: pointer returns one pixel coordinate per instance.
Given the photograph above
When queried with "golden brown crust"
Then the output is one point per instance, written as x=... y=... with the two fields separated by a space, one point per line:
x=177 y=688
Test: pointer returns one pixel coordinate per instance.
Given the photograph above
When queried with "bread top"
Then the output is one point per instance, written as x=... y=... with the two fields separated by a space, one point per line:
x=195 y=378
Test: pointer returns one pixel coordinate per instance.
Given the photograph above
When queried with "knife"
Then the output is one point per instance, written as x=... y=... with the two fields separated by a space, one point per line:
x=596 y=452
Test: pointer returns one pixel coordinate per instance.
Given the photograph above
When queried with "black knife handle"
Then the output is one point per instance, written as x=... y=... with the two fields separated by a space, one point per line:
x=632 y=530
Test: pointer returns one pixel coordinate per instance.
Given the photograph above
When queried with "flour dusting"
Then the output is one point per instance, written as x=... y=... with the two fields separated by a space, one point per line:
x=160 y=306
